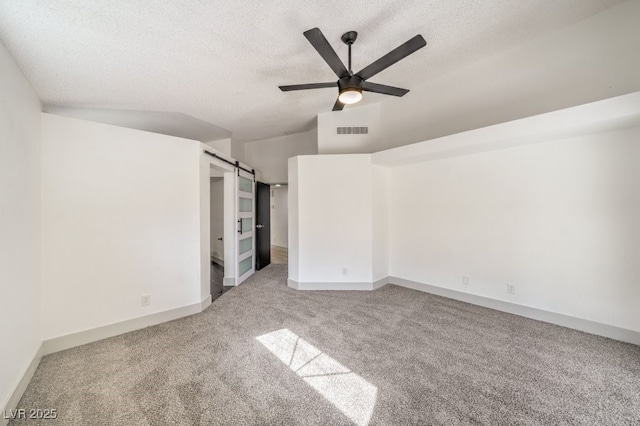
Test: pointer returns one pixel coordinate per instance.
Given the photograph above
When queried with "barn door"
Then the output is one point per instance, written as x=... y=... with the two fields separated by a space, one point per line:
x=246 y=225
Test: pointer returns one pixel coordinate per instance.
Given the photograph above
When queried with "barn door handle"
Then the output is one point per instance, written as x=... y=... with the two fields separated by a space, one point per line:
x=259 y=226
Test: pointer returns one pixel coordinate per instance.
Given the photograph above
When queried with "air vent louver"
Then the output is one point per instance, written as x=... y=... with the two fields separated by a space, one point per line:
x=352 y=130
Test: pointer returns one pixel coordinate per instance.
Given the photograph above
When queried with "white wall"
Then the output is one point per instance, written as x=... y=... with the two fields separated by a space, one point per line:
x=216 y=215
x=279 y=215
x=20 y=270
x=222 y=145
x=329 y=142
x=270 y=155
x=120 y=218
x=338 y=221
x=293 y=220
x=594 y=59
x=559 y=220
x=333 y=225
x=380 y=221
x=237 y=149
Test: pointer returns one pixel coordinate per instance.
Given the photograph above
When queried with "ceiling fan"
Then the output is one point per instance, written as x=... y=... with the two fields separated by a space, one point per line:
x=350 y=85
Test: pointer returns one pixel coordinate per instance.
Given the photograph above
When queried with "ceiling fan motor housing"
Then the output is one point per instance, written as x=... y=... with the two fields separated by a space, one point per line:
x=352 y=82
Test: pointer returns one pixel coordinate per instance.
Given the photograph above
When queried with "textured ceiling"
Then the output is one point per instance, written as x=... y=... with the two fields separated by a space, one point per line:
x=222 y=61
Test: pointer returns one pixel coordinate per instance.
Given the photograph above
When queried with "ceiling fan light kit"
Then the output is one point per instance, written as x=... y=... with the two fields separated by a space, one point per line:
x=350 y=90
x=350 y=96
x=350 y=85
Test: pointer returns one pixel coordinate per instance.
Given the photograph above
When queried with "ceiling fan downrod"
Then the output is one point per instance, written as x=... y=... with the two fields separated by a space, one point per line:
x=349 y=38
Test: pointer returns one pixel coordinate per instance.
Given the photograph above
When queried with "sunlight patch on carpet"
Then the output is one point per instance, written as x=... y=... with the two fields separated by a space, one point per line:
x=346 y=390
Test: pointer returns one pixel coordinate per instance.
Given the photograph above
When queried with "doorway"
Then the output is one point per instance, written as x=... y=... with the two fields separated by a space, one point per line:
x=263 y=226
x=233 y=257
x=279 y=223
x=216 y=230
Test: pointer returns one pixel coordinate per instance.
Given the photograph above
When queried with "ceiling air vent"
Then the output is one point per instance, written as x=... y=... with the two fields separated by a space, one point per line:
x=352 y=130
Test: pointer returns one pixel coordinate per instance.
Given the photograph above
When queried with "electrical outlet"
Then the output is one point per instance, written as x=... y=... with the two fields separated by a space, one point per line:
x=465 y=280
x=345 y=271
x=145 y=300
x=511 y=289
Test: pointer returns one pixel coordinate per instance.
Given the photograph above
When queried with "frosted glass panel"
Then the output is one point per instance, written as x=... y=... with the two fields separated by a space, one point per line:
x=245 y=245
x=246 y=215
x=247 y=225
x=246 y=185
x=246 y=204
x=245 y=265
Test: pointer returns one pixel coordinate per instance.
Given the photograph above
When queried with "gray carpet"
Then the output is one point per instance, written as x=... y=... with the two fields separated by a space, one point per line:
x=268 y=355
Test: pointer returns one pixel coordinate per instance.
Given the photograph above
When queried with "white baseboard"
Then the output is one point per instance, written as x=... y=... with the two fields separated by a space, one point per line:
x=360 y=286
x=229 y=282
x=588 y=326
x=68 y=341
x=217 y=260
x=380 y=283
x=605 y=330
x=21 y=386
x=205 y=303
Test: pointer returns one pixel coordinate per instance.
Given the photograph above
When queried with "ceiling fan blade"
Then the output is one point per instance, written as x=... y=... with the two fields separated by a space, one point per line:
x=392 y=57
x=338 y=106
x=320 y=43
x=307 y=86
x=383 y=89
